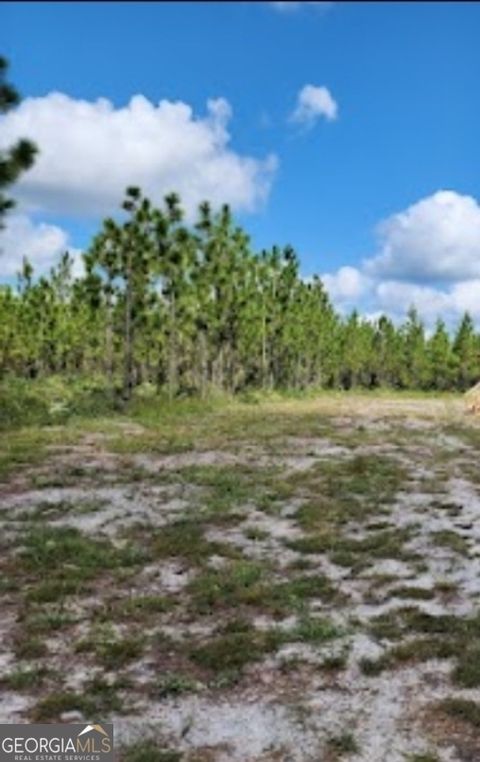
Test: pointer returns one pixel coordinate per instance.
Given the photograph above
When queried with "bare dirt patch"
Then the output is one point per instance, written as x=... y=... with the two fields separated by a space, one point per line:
x=308 y=595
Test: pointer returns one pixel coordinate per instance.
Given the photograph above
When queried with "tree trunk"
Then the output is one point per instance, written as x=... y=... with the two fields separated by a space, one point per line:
x=172 y=353
x=109 y=343
x=128 y=358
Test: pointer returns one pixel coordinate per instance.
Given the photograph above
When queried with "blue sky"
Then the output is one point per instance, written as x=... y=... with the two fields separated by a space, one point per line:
x=404 y=79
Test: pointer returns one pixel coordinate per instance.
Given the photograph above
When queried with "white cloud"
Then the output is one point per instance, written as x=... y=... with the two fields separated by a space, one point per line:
x=313 y=103
x=286 y=6
x=429 y=255
x=466 y=296
x=437 y=238
x=348 y=284
x=397 y=296
x=41 y=243
x=90 y=152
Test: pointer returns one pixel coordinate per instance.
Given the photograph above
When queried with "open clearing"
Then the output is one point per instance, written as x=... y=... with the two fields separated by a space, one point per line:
x=294 y=581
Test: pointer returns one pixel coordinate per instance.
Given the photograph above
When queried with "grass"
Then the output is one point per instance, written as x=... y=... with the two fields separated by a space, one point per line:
x=413 y=593
x=43 y=620
x=344 y=490
x=240 y=583
x=234 y=649
x=246 y=583
x=174 y=684
x=22 y=449
x=256 y=534
x=343 y=509
x=50 y=549
x=410 y=652
x=56 y=562
x=185 y=539
x=49 y=708
x=97 y=698
x=141 y=606
x=232 y=486
x=443 y=637
x=239 y=643
x=111 y=651
x=467 y=670
x=335 y=662
x=447 y=538
x=26 y=678
x=356 y=554
x=46 y=511
x=462 y=709
x=104 y=695
x=29 y=647
x=313 y=630
x=342 y=744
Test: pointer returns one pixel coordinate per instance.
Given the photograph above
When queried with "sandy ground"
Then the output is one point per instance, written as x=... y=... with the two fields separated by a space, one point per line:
x=286 y=706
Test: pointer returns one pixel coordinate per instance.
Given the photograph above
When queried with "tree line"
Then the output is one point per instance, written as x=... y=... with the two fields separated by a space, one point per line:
x=191 y=307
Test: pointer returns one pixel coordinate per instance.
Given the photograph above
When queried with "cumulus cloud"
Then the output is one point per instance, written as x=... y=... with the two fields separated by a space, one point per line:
x=466 y=296
x=90 y=152
x=437 y=238
x=290 y=6
x=397 y=296
x=41 y=243
x=347 y=285
x=429 y=255
x=313 y=103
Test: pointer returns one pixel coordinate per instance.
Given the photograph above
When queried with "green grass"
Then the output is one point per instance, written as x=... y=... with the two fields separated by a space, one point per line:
x=417 y=593
x=344 y=490
x=44 y=620
x=111 y=651
x=21 y=449
x=342 y=744
x=28 y=646
x=174 y=684
x=55 y=589
x=410 y=652
x=246 y=583
x=228 y=487
x=353 y=553
x=51 y=565
x=98 y=697
x=185 y=539
x=443 y=637
x=49 y=549
x=233 y=650
x=313 y=630
x=46 y=511
x=467 y=670
x=447 y=538
x=256 y=534
x=336 y=661
x=141 y=606
x=52 y=401
x=239 y=583
x=462 y=709
x=56 y=562
x=49 y=708
x=26 y=678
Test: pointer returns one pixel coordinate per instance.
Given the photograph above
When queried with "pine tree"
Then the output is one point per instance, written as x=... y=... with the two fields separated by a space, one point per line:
x=193 y=307
x=466 y=353
x=18 y=157
x=415 y=370
x=439 y=358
